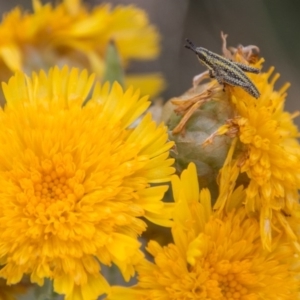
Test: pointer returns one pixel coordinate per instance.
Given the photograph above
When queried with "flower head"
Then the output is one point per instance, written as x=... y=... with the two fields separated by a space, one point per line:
x=75 y=177
x=213 y=257
x=34 y=41
x=263 y=152
x=266 y=150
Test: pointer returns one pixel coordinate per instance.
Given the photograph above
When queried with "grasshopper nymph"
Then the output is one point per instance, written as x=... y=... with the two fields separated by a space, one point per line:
x=225 y=70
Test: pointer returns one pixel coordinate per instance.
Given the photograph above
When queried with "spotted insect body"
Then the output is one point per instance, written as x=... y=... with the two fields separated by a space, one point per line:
x=226 y=71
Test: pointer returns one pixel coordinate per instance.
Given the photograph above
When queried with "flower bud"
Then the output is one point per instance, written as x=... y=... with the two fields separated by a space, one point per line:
x=207 y=110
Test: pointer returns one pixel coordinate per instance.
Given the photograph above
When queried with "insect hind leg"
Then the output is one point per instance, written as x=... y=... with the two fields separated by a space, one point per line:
x=236 y=82
x=247 y=68
x=249 y=88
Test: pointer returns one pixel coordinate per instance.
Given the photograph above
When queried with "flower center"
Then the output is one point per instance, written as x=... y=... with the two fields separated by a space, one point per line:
x=231 y=287
x=52 y=188
x=229 y=281
x=51 y=192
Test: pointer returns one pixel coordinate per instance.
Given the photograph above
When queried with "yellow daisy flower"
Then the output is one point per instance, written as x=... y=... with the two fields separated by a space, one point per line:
x=264 y=153
x=34 y=41
x=213 y=257
x=267 y=151
x=75 y=177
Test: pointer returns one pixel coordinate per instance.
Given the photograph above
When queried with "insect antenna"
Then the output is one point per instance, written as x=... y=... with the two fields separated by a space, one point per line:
x=190 y=45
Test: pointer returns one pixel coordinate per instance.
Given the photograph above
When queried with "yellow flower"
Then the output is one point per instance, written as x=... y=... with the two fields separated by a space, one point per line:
x=75 y=177
x=71 y=34
x=10 y=292
x=264 y=153
x=213 y=257
x=267 y=151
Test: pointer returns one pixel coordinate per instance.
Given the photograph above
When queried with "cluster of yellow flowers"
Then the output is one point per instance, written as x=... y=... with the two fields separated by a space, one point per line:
x=83 y=166
x=69 y=33
x=244 y=244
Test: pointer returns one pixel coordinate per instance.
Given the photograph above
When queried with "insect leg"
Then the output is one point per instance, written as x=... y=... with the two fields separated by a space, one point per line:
x=247 y=86
x=198 y=78
x=219 y=75
x=234 y=81
x=211 y=73
x=247 y=68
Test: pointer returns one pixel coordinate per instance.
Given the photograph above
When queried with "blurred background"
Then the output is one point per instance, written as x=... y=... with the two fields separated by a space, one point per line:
x=271 y=25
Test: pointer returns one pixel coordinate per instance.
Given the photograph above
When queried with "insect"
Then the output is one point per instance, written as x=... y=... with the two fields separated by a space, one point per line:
x=225 y=70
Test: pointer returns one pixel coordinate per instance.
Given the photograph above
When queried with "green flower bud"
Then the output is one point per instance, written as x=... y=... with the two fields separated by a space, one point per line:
x=204 y=121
